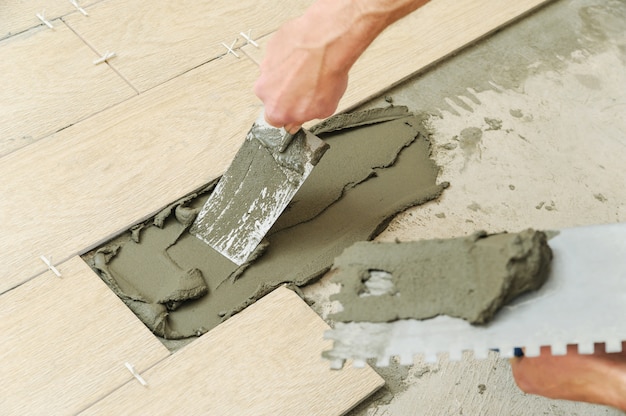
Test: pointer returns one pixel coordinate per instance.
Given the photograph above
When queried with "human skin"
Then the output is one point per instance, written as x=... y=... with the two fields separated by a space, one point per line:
x=305 y=70
x=304 y=75
x=599 y=378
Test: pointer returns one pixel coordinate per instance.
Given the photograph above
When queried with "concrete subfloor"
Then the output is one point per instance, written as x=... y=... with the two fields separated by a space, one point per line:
x=529 y=129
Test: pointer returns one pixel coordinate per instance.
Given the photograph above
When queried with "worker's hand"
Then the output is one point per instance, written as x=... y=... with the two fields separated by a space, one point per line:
x=599 y=378
x=301 y=79
x=305 y=70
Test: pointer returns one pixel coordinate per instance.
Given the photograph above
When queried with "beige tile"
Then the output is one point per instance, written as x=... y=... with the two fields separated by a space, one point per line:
x=157 y=41
x=78 y=187
x=20 y=15
x=65 y=341
x=49 y=82
x=264 y=361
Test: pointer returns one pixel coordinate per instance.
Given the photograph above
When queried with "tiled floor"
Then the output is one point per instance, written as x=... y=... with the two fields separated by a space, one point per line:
x=87 y=150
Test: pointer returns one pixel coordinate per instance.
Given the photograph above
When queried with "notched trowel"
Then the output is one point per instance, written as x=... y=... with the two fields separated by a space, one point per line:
x=582 y=302
x=265 y=174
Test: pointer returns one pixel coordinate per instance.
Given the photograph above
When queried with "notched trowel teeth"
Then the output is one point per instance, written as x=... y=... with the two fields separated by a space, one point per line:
x=265 y=174
x=359 y=343
x=588 y=264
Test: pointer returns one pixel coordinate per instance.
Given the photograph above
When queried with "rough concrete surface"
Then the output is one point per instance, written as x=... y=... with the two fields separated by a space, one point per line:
x=529 y=130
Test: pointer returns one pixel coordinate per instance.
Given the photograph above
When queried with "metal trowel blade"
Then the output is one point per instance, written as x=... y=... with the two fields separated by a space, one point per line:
x=265 y=174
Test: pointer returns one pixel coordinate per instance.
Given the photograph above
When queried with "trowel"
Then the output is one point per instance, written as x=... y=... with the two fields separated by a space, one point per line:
x=582 y=302
x=262 y=179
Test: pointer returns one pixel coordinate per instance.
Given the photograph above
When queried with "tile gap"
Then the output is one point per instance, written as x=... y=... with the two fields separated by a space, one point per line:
x=99 y=54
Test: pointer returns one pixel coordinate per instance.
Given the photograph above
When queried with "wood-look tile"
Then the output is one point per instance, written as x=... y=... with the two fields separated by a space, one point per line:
x=157 y=41
x=49 y=82
x=65 y=341
x=76 y=188
x=20 y=15
x=264 y=361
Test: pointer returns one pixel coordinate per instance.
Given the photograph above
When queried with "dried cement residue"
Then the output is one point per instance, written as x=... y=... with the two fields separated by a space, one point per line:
x=368 y=175
x=467 y=277
x=396 y=378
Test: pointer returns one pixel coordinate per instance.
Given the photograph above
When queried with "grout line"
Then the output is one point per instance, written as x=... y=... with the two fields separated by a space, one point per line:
x=9 y=35
x=238 y=49
x=36 y=275
x=131 y=380
x=99 y=54
x=185 y=71
x=60 y=129
x=49 y=134
x=123 y=77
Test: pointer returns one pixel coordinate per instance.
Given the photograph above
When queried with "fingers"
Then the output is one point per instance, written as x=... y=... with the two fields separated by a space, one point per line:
x=293 y=121
x=273 y=121
x=596 y=378
x=292 y=128
x=295 y=84
x=292 y=98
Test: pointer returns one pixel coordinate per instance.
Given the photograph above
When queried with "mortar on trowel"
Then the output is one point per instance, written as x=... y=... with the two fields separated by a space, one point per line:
x=265 y=174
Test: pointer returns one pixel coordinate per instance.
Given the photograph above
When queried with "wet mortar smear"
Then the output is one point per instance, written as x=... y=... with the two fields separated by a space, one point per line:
x=466 y=277
x=181 y=288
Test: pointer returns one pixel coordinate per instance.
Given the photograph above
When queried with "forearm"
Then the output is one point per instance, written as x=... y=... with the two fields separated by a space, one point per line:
x=345 y=28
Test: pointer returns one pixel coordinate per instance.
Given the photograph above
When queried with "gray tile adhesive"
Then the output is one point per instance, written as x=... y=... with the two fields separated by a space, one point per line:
x=467 y=277
x=256 y=188
x=378 y=164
